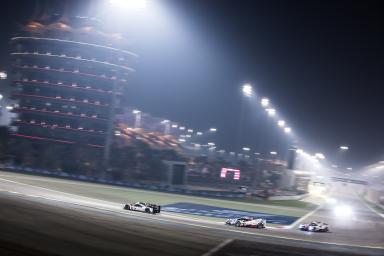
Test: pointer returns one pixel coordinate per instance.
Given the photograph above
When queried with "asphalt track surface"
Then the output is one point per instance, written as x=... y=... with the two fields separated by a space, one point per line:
x=39 y=221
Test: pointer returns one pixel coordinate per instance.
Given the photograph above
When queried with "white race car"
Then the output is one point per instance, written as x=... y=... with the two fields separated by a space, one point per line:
x=143 y=207
x=249 y=222
x=314 y=226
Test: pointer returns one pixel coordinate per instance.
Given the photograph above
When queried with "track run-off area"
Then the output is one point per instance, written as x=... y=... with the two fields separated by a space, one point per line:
x=52 y=216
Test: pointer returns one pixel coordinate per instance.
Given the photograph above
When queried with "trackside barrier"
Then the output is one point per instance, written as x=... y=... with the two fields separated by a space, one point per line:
x=152 y=187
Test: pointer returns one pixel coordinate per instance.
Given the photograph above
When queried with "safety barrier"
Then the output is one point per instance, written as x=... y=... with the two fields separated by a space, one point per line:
x=138 y=185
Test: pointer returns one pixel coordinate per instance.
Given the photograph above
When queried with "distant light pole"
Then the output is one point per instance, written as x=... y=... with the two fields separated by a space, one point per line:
x=344 y=148
x=287 y=130
x=3 y=75
x=281 y=123
x=271 y=111
x=247 y=90
x=264 y=102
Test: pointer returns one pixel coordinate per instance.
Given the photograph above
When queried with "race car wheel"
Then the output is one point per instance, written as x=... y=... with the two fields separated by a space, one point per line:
x=147 y=210
x=237 y=224
x=259 y=226
x=127 y=207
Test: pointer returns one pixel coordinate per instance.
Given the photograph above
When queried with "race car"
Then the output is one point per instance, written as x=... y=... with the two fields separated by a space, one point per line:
x=314 y=226
x=143 y=207
x=249 y=222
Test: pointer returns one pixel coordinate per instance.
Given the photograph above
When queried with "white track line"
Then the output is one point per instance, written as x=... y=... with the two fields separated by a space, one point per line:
x=218 y=247
x=304 y=217
x=197 y=225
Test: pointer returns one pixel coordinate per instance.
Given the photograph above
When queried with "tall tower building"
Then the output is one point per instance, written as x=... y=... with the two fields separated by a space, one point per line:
x=67 y=78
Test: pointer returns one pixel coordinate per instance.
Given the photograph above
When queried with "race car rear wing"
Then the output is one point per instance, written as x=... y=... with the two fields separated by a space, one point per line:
x=156 y=208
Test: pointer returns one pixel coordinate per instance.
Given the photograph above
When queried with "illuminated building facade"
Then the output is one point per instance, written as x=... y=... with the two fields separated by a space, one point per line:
x=67 y=80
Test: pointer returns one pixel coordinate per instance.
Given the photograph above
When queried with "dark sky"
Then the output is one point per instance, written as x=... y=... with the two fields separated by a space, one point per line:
x=320 y=62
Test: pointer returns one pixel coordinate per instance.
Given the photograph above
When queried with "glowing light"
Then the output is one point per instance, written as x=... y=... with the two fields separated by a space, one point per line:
x=1 y=96
x=165 y=121
x=287 y=130
x=129 y=4
x=281 y=123
x=273 y=153
x=247 y=90
x=190 y=130
x=344 y=147
x=246 y=149
x=343 y=211
x=211 y=144
x=264 y=102
x=349 y=169
x=199 y=133
x=182 y=128
x=3 y=75
x=299 y=151
x=271 y=111
x=331 y=200
x=9 y=107
x=213 y=130
x=135 y=111
x=174 y=126
x=182 y=140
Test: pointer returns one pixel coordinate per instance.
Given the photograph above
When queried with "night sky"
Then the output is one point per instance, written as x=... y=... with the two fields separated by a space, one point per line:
x=320 y=62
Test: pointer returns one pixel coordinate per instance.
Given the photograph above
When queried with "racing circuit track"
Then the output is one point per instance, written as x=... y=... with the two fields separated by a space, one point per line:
x=38 y=221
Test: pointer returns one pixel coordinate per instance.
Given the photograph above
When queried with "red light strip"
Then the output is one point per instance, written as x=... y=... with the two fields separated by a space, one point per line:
x=73 y=58
x=58 y=99
x=60 y=114
x=50 y=126
x=40 y=138
x=53 y=140
x=65 y=71
x=62 y=85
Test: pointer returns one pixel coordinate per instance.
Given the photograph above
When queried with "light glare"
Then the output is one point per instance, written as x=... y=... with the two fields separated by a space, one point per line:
x=265 y=102
x=271 y=111
x=287 y=130
x=129 y=4
x=247 y=90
